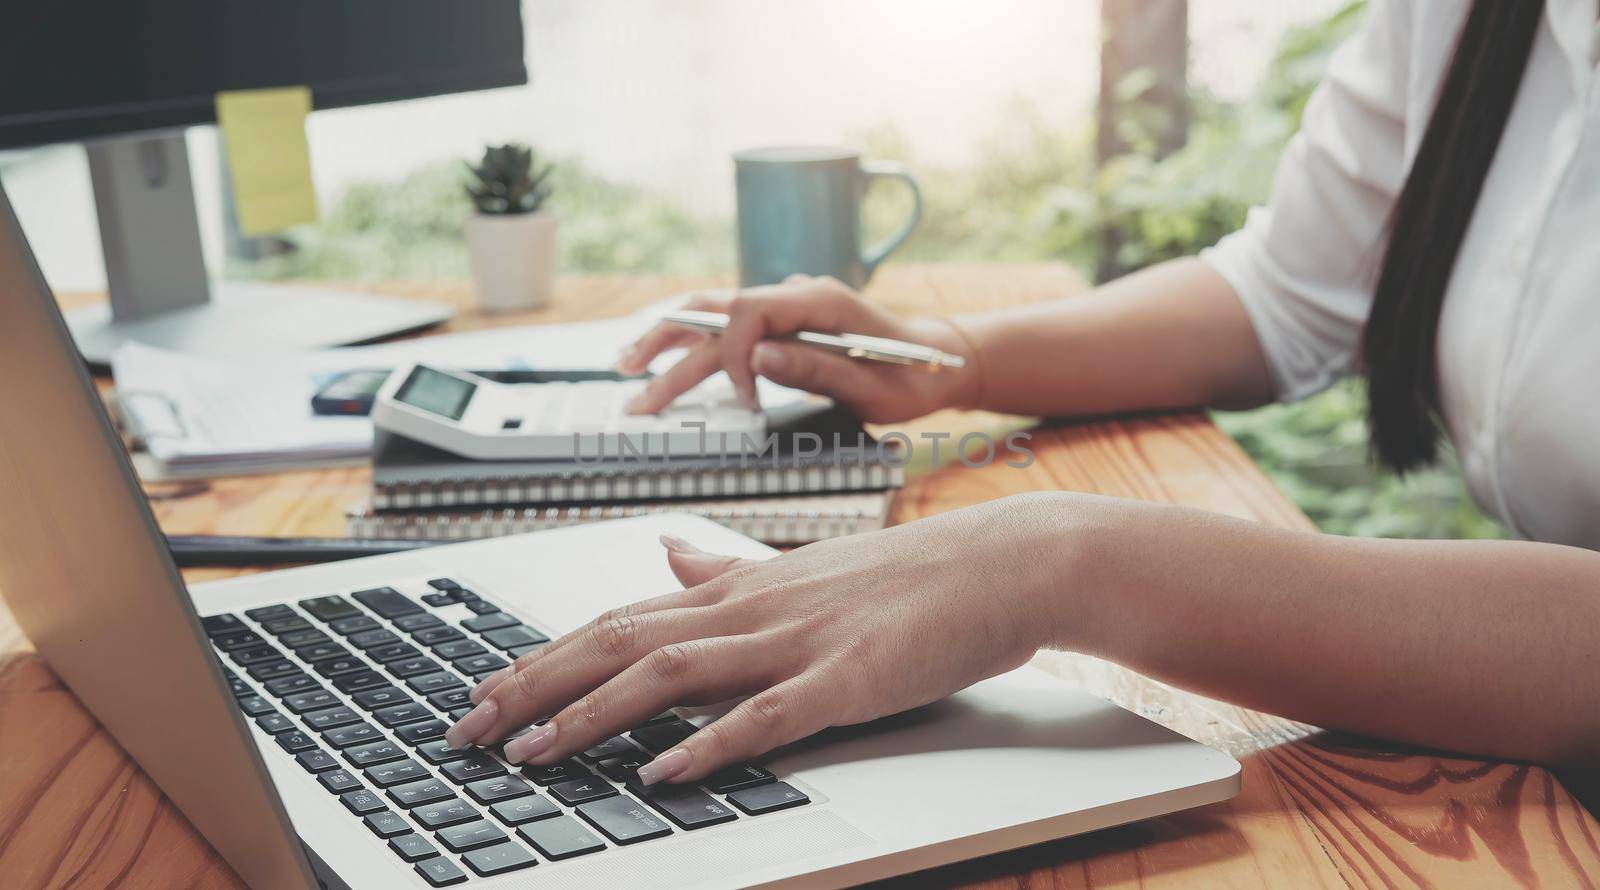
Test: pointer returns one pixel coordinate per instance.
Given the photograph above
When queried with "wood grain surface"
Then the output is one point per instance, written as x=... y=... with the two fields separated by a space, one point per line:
x=1316 y=810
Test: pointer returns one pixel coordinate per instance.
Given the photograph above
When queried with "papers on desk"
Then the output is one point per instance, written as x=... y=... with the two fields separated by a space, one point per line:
x=212 y=416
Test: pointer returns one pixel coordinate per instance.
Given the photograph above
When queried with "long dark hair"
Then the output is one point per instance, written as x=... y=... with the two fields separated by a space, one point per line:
x=1429 y=220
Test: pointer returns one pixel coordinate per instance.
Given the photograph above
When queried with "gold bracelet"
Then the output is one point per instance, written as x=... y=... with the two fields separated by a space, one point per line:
x=980 y=368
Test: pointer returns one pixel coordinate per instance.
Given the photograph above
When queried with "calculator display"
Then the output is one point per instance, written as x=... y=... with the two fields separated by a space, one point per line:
x=436 y=393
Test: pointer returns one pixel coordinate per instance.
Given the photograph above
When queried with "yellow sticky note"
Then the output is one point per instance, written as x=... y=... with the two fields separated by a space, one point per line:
x=265 y=132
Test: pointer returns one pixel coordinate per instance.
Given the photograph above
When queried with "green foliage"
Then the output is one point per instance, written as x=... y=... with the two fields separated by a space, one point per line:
x=1035 y=195
x=508 y=181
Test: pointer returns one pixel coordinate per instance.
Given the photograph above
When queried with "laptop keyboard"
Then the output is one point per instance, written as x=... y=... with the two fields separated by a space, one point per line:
x=359 y=690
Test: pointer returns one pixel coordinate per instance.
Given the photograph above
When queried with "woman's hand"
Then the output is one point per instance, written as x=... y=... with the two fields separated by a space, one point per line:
x=835 y=633
x=878 y=393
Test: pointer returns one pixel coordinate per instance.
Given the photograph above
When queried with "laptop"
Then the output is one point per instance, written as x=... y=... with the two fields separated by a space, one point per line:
x=295 y=717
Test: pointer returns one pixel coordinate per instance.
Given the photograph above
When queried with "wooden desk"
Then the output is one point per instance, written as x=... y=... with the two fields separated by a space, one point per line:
x=1315 y=811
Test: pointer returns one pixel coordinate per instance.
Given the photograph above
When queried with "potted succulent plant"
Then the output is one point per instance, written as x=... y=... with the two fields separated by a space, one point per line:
x=511 y=238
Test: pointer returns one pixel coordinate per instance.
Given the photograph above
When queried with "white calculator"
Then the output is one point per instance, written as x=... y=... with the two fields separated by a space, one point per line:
x=481 y=419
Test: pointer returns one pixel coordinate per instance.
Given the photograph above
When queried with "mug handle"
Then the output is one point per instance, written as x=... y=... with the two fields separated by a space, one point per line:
x=890 y=170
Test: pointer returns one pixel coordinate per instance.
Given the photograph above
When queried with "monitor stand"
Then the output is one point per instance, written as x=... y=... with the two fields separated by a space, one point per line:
x=156 y=276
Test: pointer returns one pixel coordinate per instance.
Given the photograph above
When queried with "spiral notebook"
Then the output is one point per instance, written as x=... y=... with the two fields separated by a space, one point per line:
x=782 y=521
x=817 y=449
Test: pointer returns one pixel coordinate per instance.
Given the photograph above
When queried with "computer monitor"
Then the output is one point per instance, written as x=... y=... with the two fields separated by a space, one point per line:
x=127 y=77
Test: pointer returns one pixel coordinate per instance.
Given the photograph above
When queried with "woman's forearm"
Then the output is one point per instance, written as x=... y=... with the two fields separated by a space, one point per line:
x=1171 y=336
x=1488 y=647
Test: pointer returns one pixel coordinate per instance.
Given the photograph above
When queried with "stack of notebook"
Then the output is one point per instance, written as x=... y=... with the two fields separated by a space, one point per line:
x=822 y=477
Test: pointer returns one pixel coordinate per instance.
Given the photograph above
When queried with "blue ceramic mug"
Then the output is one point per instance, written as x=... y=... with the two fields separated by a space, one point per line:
x=800 y=212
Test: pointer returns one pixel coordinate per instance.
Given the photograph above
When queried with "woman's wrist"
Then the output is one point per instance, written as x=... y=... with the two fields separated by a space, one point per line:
x=960 y=388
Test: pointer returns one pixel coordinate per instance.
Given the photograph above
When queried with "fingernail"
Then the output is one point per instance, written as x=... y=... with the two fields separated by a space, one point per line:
x=769 y=360
x=636 y=403
x=478 y=721
x=747 y=396
x=678 y=545
x=666 y=766
x=524 y=747
x=489 y=683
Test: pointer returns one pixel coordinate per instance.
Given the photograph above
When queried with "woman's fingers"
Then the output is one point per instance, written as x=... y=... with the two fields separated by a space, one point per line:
x=636 y=357
x=694 y=566
x=692 y=672
x=811 y=369
x=701 y=362
x=776 y=716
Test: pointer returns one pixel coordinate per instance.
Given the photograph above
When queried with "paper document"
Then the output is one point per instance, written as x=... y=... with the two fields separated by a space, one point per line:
x=213 y=416
x=265 y=133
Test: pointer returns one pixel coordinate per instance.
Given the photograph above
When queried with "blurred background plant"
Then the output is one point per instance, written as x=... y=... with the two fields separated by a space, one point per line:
x=1040 y=193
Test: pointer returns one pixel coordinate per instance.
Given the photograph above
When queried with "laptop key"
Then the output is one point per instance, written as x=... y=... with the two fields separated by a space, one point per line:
x=482 y=607
x=471 y=768
x=387 y=774
x=302 y=702
x=412 y=847
x=418 y=793
x=387 y=602
x=616 y=746
x=374 y=753
x=263 y=614
x=451 y=699
x=687 y=806
x=417 y=733
x=295 y=742
x=339 y=780
x=768 y=798
x=291 y=684
x=477 y=664
x=320 y=652
x=498 y=859
x=299 y=638
x=280 y=626
x=353 y=625
x=661 y=736
x=240 y=688
x=438 y=600
x=562 y=837
x=267 y=670
x=512 y=637
x=361 y=802
x=623 y=819
x=371 y=639
x=350 y=736
x=622 y=769
x=366 y=679
x=487 y=791
x=451 y=811
x=243 y=639
x=519 y=651
x=382 y=697
x=275 y=723
x=317 y=760
x=329 y=608
x=519 y=810
x=412 y=667
x=492 y=621
x=440 y=872
x=737 y=778
x=470 y=835
x=400 y=715
x=433 y=636
x=443 y=584
x=392 y=652
x=414 y=623
x=254 y=705
x=576 y=791
x=255 y=655
x=458 y=714
x=331 y=718
x=385 y=823
x=438 y=751
x=427 y=684
x=221 y=625
x=551 y=773
x=338 y=667
x=459 y=649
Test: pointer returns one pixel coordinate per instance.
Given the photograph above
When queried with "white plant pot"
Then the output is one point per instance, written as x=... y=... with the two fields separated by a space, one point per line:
x=513 y=259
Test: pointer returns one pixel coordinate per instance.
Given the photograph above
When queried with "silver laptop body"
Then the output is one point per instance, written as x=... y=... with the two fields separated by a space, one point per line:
x=1016 y=760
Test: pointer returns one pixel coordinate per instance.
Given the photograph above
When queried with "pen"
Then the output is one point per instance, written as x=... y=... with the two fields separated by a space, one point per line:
x=859 y=346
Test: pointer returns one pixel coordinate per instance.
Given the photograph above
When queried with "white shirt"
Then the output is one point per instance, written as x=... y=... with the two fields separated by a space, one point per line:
x=1519 y=335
